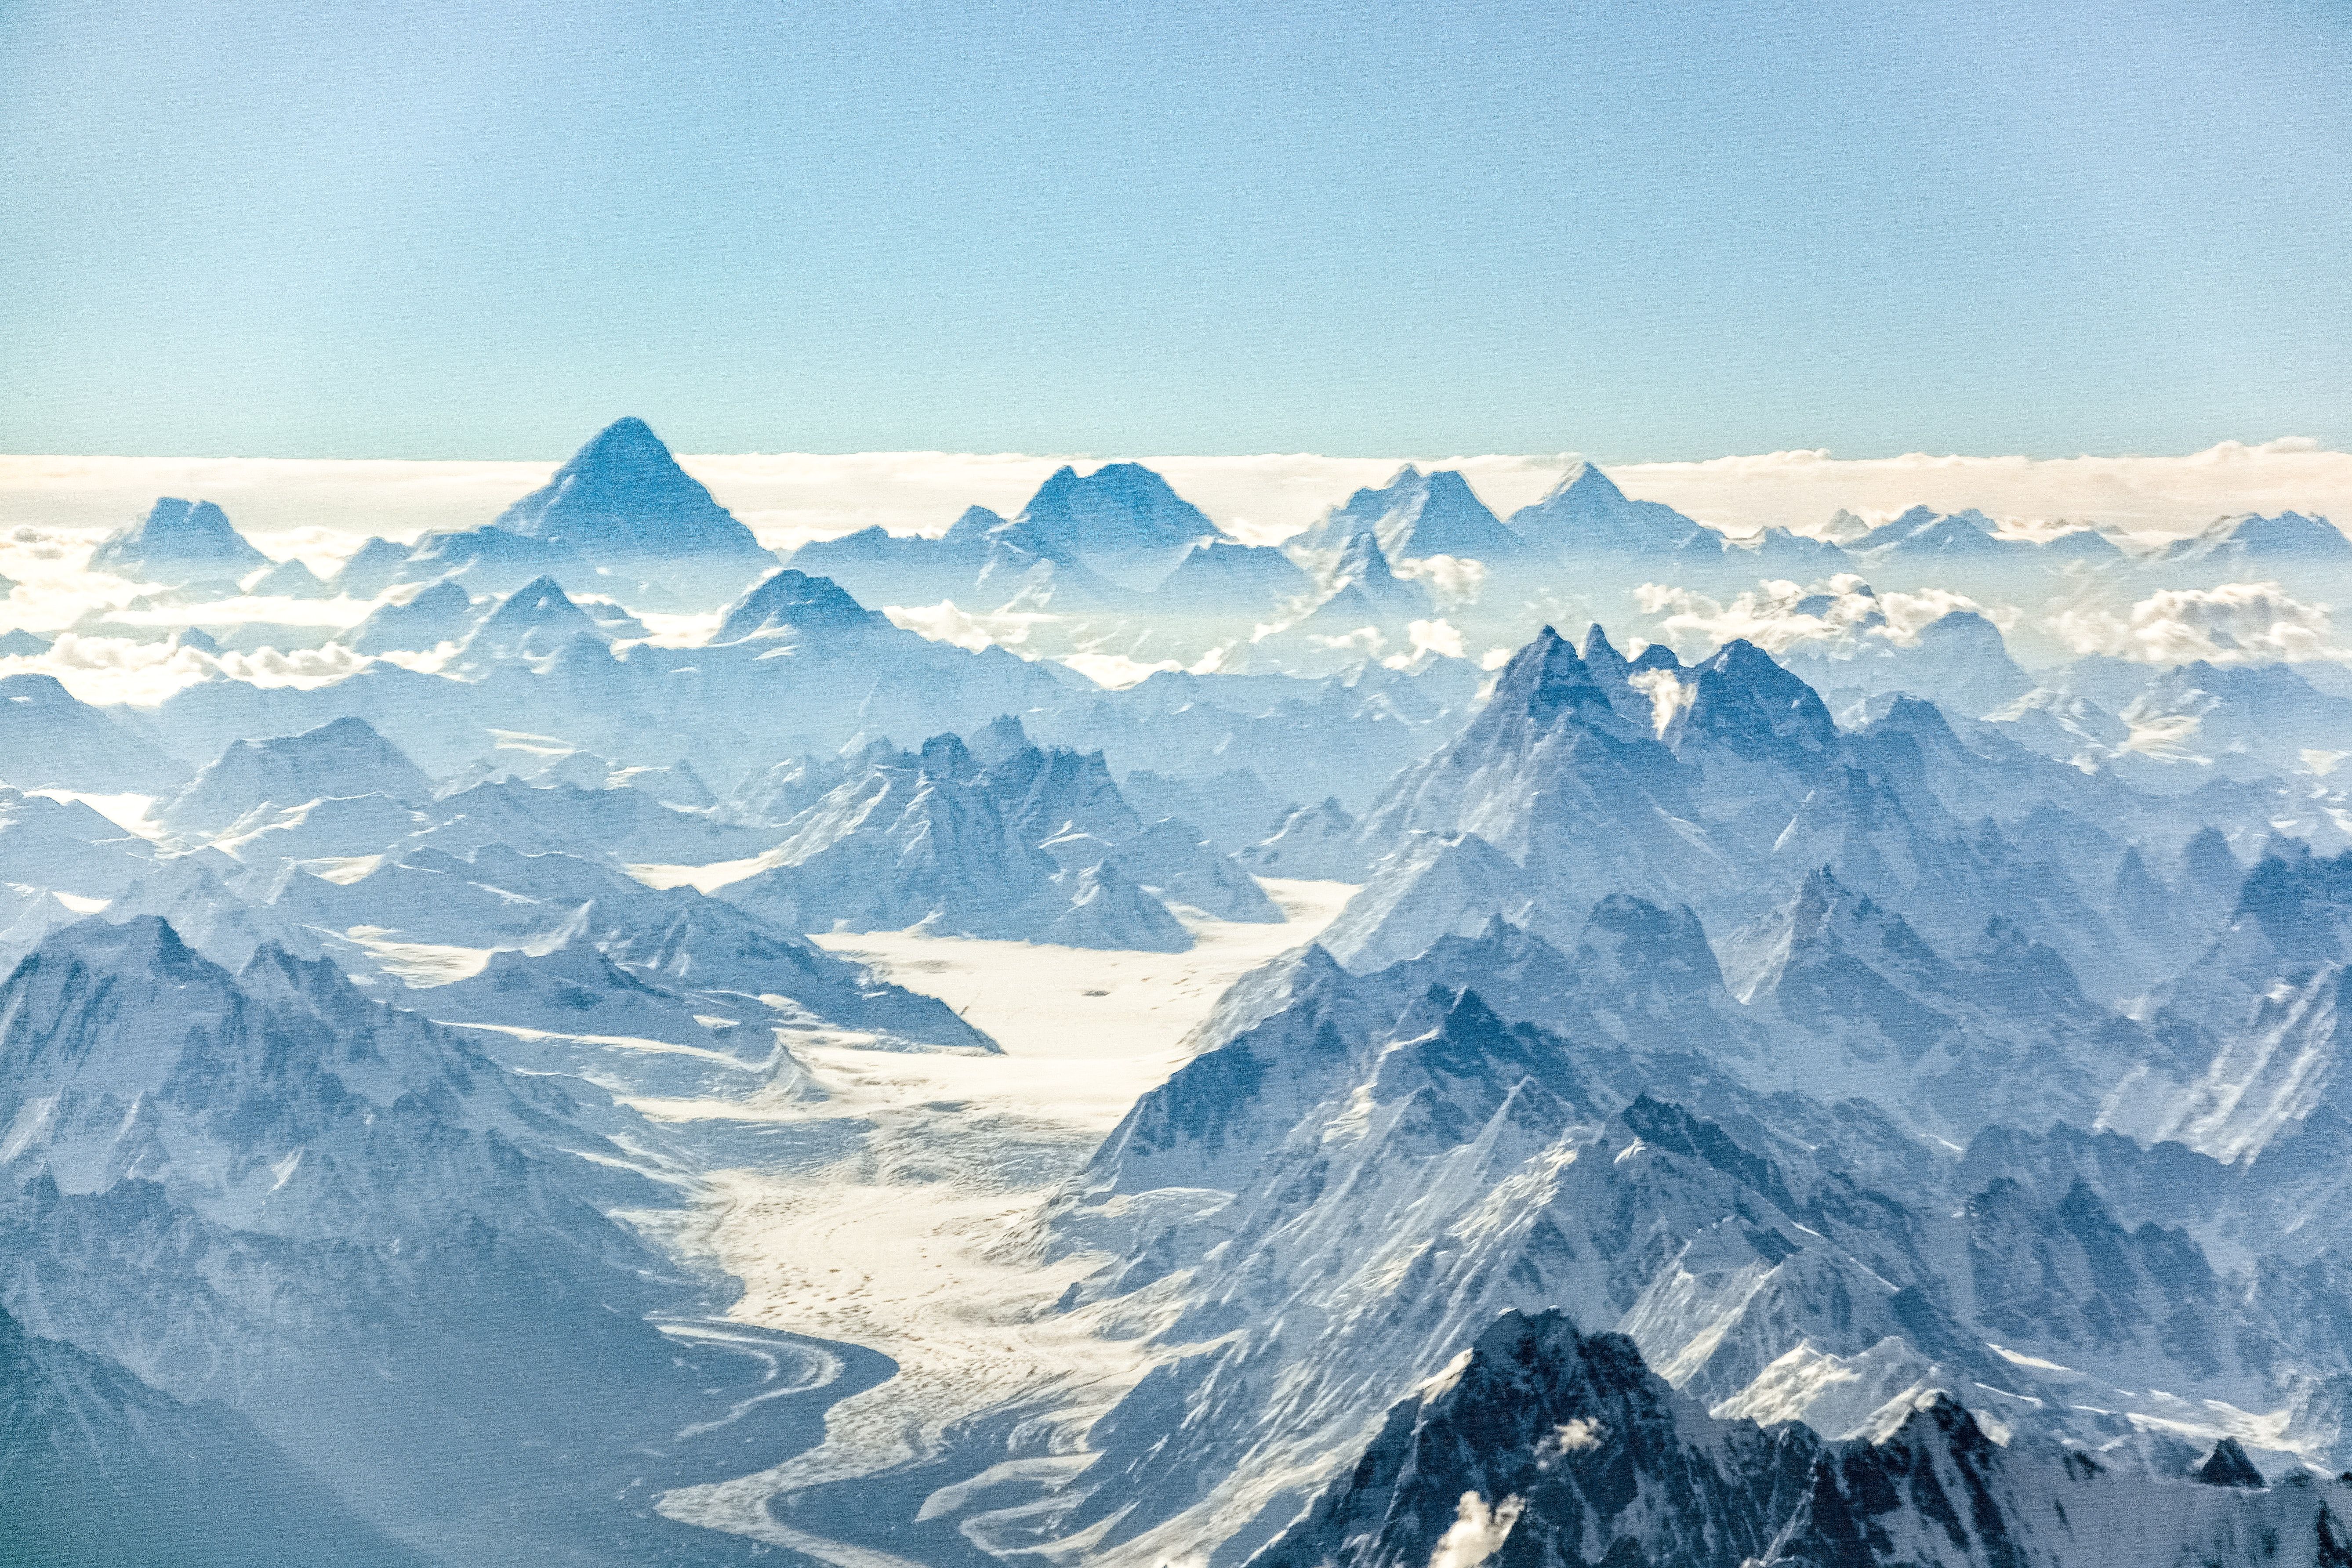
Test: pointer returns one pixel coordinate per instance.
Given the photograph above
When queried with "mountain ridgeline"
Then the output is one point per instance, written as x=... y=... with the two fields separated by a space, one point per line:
x=1087 y=1035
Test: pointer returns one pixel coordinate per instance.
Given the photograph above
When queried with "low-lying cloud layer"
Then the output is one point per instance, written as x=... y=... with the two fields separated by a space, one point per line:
x=1777 y=614
x=2236 y=623
x=791 y=498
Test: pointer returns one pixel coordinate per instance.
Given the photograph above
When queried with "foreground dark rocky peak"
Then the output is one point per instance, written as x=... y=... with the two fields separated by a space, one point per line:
x=1544 y=1446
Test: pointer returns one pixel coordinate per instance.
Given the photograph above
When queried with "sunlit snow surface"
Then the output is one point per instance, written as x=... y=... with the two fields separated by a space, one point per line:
x=888 y=1245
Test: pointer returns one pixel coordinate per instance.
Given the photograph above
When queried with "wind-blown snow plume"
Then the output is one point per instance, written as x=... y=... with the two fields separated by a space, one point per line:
x=1476 y=1534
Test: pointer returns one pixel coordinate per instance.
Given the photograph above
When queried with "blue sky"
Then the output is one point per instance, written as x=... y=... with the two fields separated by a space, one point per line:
x=432 y=229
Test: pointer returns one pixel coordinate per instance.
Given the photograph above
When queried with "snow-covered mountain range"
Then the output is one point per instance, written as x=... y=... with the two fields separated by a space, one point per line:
x=1086 y=1039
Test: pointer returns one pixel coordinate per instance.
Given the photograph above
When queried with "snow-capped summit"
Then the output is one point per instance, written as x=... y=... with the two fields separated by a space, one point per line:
x=1921 y=539
x=1543 y=679
x=1549 y=778
x=535 y=620
x=179 y=542
x=1959 y=659
x=1586 y=514
x=1364 y=616
x=370 y=569
x=490 y=560
x=1416 y=515
x=1320 y=842
x=787 y=601
x=344 y=758
x=1222 y=578
x=1122 y=521
x=623 y=494
x=1923 y=531
x=444 y=612
x=2249 y=539
x=624 y=503
x=48 y=737
x=1757 y=735
x=65 y=846
x=1363 y=583
x=289 y=579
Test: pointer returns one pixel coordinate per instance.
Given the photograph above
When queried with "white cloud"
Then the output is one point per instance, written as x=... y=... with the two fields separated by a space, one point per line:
x=1768 y=614
x=1364 y=642
x=1477 y=1532
x=1578 y=1434
x=1667 y=693
x=1116 y=671
x=2236 y=623
x=2141 y=495
x=1453 y=581
x=122 y=670
x=1440 y=637
x=789 y=498
x=947 y=622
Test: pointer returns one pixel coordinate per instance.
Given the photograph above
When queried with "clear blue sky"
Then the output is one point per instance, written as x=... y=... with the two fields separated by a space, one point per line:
x=433 y=229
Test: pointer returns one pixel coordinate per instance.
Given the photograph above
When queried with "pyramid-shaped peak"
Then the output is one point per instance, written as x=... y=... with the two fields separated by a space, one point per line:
x=538 y=596
x=1122 y=522
x=1748 y=702
x=1544 y=671
x=623 y=498
x=2228 y=1466
x=976 y=523
x=1587 y=479
x=534 y=621
x=1744 y=659
x=627 y=439
x=1599 y=648
x=1417 y=514
x=1361 y=561
x=793 y=599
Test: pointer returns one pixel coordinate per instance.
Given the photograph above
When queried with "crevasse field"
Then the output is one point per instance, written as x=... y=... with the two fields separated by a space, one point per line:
x=1403 y=1036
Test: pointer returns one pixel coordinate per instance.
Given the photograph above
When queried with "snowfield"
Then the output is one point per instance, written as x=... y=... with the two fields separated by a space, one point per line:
x=888 y=1246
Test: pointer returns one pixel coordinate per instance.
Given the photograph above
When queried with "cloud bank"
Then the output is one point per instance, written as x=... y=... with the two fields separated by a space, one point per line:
x=789 y=498
x=2236 y=623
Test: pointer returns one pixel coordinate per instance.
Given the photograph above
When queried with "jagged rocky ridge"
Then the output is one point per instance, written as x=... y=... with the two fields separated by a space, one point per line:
x=1541 y=1445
